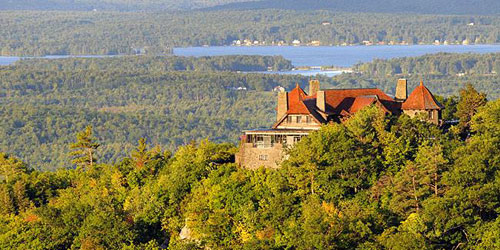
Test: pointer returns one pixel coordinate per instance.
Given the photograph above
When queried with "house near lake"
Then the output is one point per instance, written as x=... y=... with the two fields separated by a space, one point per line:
x=299 y=113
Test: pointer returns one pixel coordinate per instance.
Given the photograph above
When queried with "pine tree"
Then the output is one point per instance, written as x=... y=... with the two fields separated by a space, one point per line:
x=10 y=167
x=84 y=148
x=430 y=159
x=6 y=201
x=470 y=102
x=141 y=155
x=20 y=197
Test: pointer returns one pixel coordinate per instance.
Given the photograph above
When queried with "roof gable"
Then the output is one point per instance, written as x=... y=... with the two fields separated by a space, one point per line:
x=421 y=99
x=295 y=101
x=361 y=102
x=299 y=103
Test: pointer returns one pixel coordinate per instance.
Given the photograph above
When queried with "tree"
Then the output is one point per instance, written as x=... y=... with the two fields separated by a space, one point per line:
x=473 y=182
x=450 y=107
x=11 y=167
x=430 y=159
x=409 y=235
x=84 y=148
x=6 y=201
x=141 y=155
x=331 y=163
x=417 y=180
x=470 y=101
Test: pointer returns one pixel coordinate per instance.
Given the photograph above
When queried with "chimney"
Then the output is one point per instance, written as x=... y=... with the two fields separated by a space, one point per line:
x=313 y=87
x=282 y=105
x=320 y=101
x=401 y=90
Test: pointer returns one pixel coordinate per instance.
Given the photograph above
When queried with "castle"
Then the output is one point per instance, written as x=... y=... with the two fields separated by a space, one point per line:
x=299 y=113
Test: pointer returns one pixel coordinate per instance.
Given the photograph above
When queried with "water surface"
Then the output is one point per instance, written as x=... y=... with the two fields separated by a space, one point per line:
x=344 y=56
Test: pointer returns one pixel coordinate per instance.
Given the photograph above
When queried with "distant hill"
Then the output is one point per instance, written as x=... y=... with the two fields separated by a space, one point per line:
x=120 y=5
x=476 y=7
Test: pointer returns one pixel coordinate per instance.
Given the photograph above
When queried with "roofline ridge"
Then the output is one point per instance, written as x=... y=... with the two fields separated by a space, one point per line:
x=352 y=89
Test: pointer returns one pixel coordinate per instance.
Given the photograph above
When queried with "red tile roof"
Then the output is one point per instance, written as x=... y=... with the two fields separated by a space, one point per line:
x=338 y=100
x=421 y=99
x=299 y=103
x=360 y=102
x=344 y=102
x=295 y=101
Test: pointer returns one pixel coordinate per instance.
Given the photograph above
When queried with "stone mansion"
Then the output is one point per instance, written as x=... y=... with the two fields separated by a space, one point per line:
x=299 y=113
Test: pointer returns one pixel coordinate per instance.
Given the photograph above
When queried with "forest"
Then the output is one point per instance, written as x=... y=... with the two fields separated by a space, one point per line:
x=37 y=33
x=447 y=71
x=247 y=63
x=170 y=100
x=478 y=7
x=113 y=5
x=166 y=99
x=372 y=182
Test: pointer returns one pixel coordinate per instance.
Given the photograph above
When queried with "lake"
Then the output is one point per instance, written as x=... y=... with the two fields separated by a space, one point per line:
x=343 y=56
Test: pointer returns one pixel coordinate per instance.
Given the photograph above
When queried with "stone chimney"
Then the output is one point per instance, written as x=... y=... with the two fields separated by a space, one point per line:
x=321 y=100
x=401 y=90
x=282 y=104
x=313 y=87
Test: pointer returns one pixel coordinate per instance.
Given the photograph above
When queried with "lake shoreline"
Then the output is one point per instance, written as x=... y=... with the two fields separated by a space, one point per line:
x=335 y=57
x=251 y=46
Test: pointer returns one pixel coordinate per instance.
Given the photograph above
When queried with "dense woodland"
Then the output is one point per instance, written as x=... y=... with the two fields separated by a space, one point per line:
x=137 y=152
x=447 y=72
x=435 y=64
x=115 y=5
x=373 y=182
x=43 y=102
x=169 y=100
x=232 y=63
x=481 y=7
x=35 y=33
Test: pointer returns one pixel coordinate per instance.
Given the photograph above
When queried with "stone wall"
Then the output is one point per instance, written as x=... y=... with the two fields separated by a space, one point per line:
x=253 y=157
x=429 y=115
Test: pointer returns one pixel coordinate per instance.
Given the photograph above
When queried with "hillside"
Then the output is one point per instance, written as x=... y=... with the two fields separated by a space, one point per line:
x=478 y=7
x=373 y=182
x=173 y=100
x=448 y=72
x=461 y=7
x=77 y=33
x=116 y=5
x=169 y=100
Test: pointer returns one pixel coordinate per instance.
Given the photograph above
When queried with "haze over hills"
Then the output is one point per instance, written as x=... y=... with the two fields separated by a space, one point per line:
x=476 y=7
x=119 y=5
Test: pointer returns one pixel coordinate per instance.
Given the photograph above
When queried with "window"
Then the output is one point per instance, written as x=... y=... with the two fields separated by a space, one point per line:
x=308 y=119
x=280 y=139
x=296 y=139
x=289 y=119
x=260 y=138
x=263 y=157
x=299 y=119
x=431 y=114
x=263 y=141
